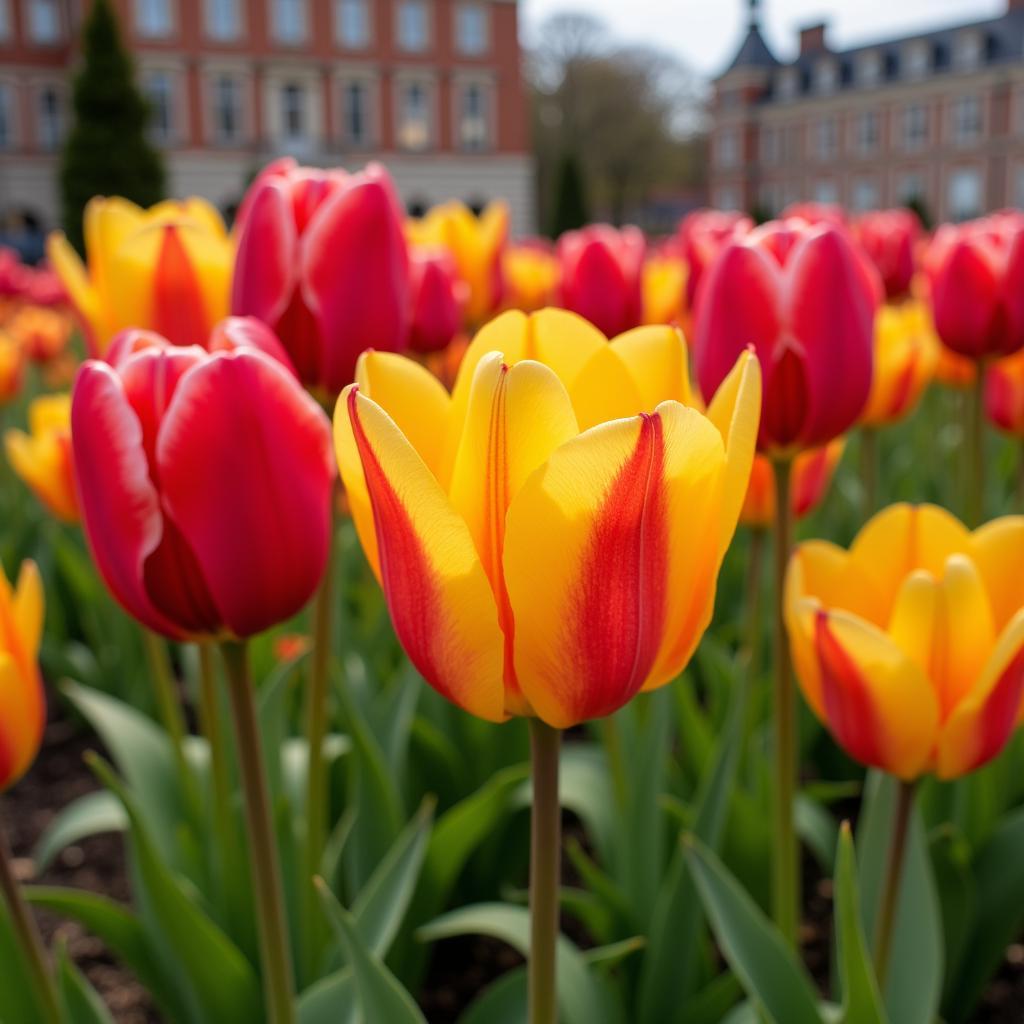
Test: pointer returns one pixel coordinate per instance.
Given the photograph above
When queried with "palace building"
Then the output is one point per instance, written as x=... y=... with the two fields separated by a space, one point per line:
x=936 y=119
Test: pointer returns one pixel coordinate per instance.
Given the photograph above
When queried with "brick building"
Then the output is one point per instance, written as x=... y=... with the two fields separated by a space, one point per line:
x=432 y=87
x=937 y=117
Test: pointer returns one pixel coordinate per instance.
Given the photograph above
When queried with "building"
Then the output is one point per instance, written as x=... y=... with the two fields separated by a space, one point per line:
x=936 y=118
x=431 y=87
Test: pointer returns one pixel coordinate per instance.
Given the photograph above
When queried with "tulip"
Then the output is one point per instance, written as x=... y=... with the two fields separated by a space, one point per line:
x=664 y=289
x=812 y=473
x=477 y=244
x=323 y=262
x=702 y=235
x=12 y=367
x=42 y=333
x=167 y=268
x=889 y=237
x=906 y=353
x=530 y=271
x=195 y=533
x=806 y=299
x=816 y=213
x=602 y=276
x=1004 y=394
x=437 y=300
x=42 y=457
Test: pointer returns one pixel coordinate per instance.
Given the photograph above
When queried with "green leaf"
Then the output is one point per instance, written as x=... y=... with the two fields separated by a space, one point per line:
x=581 y=999
x=89 y=815
x=381 y=997
x=766 y=967
x=331 y=1000
x=81 y=1003
x=18 y=1001
x=817 y=828
x=504 y=1001
x=914 y=985
x=862 y=1000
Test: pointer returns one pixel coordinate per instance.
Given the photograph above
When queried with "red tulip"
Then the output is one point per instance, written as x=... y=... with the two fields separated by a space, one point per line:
x=703 y=234
x=805 y=298
x=438 y=297
x=816 y=213
x=204 y=481
x=976 y=274
x=602 y=276
x=889 y=237
x=322 y=260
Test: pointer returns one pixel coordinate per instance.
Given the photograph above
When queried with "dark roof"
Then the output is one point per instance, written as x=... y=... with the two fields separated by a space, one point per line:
x=754 y=53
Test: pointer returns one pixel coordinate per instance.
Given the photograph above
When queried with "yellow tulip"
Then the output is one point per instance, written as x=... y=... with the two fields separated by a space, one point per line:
x=12 y=366
x=42 y=457
x=531 y=276
x=548 y=537
x=906 y=355
x=167 y=269
x=910 y=646
x=664 y=286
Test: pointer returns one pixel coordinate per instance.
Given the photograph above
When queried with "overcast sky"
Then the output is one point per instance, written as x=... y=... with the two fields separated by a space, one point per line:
x=706 y=33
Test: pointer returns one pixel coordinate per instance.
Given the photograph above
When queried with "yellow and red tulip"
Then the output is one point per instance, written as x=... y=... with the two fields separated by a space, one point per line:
x=22 y=699
x=548 y=558
x=910 y=645
x=1004 y=394
x=42 y=457
x=43 y=333
x=812 y=473
x=531 y=275
x=12 y=367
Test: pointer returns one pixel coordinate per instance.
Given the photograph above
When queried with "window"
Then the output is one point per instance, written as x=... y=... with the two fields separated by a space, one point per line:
x=290 y=21
x=868 y=132
x=413 y=117
x=828 y=139
x=727 y=148
x=355 y=112
x=49 y=118
x=768 y=199
x=727 y=197
x=223 y=19
x=966 y=113
x=412 y=25
x=471 y=29
x=43 y=21
x=352 y=23
x=1019 y=186
x=473 y=130
x=869 y=68
x=964 y=194
x=6 y=116
x=159 y=90
x=6 y=28
x=227 y=109
x=909 y=187
x=967 y=50
x=293 y=112
x=788 y=83
x=917 y=59
x=769 y=145
x=865 y=194
x=826 y=191
x=153 y=18
x=826 y=76
x=915 y=126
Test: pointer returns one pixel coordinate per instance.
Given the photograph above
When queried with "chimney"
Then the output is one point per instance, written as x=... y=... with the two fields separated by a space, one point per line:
x=812 y=37
x=1015 y=5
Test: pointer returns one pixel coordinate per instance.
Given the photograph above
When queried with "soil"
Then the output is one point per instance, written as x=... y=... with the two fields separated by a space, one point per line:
x=460 y=967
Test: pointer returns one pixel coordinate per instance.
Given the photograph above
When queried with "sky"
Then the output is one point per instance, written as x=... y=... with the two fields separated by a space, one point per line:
x=706 y=33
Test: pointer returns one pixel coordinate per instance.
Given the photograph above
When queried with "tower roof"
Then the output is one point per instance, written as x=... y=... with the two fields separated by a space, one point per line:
x=754 y=51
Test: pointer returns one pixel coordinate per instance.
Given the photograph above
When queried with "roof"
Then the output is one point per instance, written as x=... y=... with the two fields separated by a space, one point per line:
x=754 y=52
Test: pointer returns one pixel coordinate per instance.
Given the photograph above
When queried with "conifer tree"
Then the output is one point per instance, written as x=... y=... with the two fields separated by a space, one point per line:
x=570 y=208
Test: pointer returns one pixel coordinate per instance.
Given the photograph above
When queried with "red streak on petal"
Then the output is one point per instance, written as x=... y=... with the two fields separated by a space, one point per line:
x=847 y=701
x=999 y=715
x=619 y=608
x=179 y=312
x=408 y=579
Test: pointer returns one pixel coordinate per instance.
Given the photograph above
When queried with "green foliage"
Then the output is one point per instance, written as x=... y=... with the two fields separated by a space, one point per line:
x=107 y=151
x=569 y=209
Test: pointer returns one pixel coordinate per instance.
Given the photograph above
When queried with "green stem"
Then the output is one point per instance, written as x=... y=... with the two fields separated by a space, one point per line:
x=893 y=873
x=869 y=469
x=545 y=866
x=750 y=656
x=974 y=451
x=316 y=779
x=1020 y=479
x=275 y=948
x=28 y=936
x=786 y=881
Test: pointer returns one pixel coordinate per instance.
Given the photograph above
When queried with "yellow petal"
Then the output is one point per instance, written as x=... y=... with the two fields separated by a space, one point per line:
x=656 y=360
x=75 y=278
x=915 y=617
x=997 y=548
x=604 y=390
x=28 y=608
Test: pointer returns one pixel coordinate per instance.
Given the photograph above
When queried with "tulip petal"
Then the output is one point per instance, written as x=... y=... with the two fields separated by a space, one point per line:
x=997 y=548
x=604 y=390
x=75 y=278
x=179 y=306
x=22 y=719
x=438 y=594
x=656 y=360
x=982 y=723
x=258 y=515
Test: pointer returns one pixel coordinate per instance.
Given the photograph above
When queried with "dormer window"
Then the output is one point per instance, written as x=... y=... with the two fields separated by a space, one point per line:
x=826 y=76
x=917 y=59
x=869 y=68
x=789 y=83
x=967 y=52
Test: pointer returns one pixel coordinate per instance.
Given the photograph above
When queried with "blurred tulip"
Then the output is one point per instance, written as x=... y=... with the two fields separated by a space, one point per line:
x=437 y=297
x=910 y=646
x=664 y=289
x=816 y=213
x=545 y=571
x=976 y=278
x=702 y=235
x=204 y=482
x=890 y=237
x=805 y=298
x=601 y=276
x=42 y=457
x=954 y=370
x=1004 y=394
x=531 y=276
x=812 y=474
x=167 y=268
x=12 y=367
x=477 y=245
x=323 y=262
x=906 y=353
x=42 y=333
x=22 y=698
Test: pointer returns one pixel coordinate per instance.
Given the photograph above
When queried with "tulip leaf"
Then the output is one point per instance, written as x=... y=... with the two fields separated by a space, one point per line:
x=381 y=997
x=817 y=828
x=767 y=968
x=331 y=1000
x=89 y=815
x=504 y=1001
x=914 y=985
x=581 y=997
x=80 y=1002
x=862 y=1000
x=18 y=1001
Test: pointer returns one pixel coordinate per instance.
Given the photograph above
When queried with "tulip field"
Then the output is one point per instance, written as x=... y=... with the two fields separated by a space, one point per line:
x=401 y=622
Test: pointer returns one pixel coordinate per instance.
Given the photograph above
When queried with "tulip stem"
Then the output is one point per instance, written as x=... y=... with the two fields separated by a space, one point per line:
x=869 y=469
x=316 y=779
x=786 y=883
x=275 y=948
x=545 y=867
x=751 y=653
x=893 y=873
x=974 y=450
x=27 y=934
